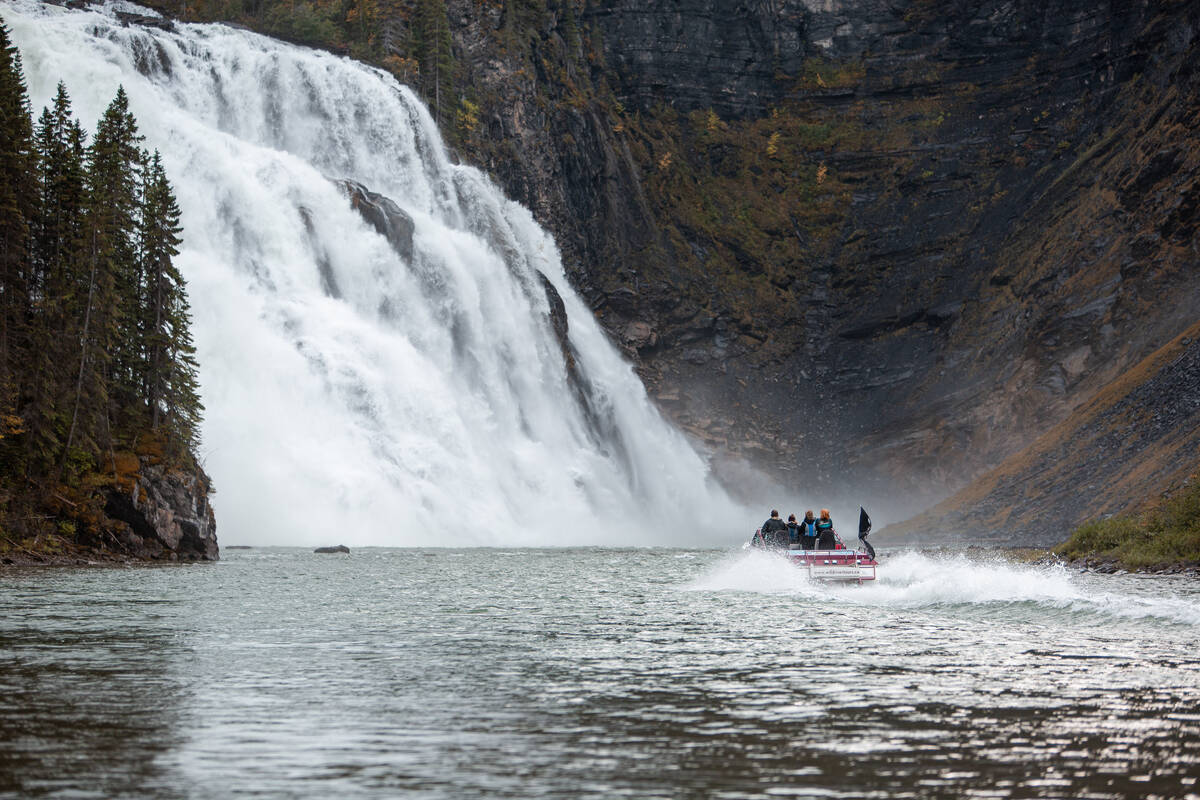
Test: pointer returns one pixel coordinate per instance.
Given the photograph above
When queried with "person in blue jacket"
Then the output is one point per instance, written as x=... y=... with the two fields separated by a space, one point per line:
x=808 y=531
x=793 y=531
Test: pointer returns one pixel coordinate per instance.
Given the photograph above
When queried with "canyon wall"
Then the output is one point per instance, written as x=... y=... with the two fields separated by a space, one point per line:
x=878 y=244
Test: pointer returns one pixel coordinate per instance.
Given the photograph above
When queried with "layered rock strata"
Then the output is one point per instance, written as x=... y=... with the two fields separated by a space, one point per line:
x=988 y=212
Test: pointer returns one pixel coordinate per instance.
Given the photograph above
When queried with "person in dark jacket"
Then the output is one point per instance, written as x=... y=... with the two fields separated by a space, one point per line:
x=793 y=529
x=772 y=530
x=826 y=538
x=808 y=531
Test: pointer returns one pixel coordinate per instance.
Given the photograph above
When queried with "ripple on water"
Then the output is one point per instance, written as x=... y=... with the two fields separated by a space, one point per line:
x=593 y=673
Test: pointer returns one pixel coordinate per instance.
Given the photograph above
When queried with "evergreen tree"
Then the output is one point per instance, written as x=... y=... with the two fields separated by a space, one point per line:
x=107 y=379
x=181 y=402
x=95 y=340
x=58 y=248
x=18 y=206
x=170 y=383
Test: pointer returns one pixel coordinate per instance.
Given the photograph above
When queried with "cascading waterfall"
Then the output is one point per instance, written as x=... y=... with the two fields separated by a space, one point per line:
x=358 y=389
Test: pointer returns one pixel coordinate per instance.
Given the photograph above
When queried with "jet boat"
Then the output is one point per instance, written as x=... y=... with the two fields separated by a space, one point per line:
x=840 y=564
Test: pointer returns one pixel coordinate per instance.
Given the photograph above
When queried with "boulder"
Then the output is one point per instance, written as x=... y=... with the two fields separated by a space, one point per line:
x=391 y=221
x=341 y=548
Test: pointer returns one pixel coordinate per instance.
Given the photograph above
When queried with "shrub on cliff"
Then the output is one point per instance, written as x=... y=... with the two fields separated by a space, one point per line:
x=1168 y=535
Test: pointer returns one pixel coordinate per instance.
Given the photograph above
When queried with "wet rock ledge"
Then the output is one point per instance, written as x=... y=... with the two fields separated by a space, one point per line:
x=141 y=508
x=162 y=513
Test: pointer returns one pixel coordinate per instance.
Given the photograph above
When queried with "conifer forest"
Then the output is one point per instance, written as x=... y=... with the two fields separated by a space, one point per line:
x=96 y=356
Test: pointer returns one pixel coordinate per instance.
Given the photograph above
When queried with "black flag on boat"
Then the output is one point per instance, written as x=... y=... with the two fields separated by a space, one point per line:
x=864 y=528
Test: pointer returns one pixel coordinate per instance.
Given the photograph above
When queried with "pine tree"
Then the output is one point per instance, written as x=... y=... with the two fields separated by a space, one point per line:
x=18 y=206
x=171 y=388
x=107 y=379
x=58 y=248
x=181 y=402
x=159 y=244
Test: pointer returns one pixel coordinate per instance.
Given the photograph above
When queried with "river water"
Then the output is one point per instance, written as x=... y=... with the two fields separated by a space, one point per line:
x=595 y=673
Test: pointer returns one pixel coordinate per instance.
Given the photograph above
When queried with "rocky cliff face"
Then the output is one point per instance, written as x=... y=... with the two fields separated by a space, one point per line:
x=735 y=58
x=160 y=513
x=865 y=243
x=136 y=506
x=1115 y=454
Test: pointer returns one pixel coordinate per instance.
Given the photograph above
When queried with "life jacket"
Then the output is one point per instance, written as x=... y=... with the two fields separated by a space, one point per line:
x=809 y=528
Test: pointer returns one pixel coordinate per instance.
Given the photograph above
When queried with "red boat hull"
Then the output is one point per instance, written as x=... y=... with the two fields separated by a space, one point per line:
x=835 y=565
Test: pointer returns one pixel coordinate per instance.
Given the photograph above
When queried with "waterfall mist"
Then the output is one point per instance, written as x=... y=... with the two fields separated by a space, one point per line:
x=357 y=392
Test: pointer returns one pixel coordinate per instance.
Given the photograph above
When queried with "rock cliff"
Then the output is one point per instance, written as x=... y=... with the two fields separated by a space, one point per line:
x=876 y=244
x=137 y=506
x=160 y=513
x=1114 y=455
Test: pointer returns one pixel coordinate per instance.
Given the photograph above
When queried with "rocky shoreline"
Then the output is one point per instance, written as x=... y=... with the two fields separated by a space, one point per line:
x=143 y=512
x=85 y=557
x=1112 y=566
x=1105 y=565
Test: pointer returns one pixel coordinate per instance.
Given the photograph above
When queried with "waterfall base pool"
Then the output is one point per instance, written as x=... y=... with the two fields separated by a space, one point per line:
x=594 y=673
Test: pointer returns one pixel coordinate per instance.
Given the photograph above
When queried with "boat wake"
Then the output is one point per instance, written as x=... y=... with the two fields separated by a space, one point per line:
x=916 y=580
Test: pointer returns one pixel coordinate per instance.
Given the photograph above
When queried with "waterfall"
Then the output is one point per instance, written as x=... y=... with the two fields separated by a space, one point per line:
x=397 y=381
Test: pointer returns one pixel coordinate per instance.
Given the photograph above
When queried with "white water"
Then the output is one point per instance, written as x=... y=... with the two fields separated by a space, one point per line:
x=989 y=587
x=429 y=404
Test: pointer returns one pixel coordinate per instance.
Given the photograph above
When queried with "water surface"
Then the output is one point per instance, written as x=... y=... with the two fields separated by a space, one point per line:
x=594 y=673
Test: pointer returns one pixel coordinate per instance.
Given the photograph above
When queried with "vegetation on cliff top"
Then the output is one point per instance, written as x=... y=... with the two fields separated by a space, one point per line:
x=97 y=366
x=1165 y=536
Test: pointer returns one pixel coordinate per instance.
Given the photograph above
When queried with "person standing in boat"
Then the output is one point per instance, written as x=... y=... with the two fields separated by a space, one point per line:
x=826 y=537
x=773 y=530
x=793 y=529
x=808 y=531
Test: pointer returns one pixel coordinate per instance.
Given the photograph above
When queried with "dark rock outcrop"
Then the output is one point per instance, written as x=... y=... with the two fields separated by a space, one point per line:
x=735 y=58
x=128 y=18
x=391 y=221
x=341 y=548
x=163 y=514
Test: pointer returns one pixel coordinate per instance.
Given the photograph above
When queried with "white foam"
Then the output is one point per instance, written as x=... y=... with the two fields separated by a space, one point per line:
x=914 y=580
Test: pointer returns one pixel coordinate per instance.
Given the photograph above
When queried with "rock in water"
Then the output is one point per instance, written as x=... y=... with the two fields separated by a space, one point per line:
x=391 y=221
x=341 y=548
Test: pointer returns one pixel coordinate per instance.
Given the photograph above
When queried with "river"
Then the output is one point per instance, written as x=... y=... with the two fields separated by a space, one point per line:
x=572 y=673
